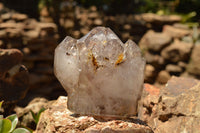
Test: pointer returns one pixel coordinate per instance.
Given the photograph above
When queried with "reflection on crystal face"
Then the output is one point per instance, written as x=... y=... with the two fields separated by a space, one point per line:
x=101 y=75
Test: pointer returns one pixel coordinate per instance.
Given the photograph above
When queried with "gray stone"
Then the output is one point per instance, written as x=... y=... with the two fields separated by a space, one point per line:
x=171 y=68
x=154 y=41
x=163 y=77
x=177 y=51
x=175 y=32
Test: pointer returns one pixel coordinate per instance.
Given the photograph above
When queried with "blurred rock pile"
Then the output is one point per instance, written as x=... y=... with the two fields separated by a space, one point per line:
x=37 y=41
x=170 y=52
x=78 y=21
x=167 y=46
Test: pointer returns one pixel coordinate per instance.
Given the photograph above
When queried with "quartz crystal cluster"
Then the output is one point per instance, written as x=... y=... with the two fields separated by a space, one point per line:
x=102 y=76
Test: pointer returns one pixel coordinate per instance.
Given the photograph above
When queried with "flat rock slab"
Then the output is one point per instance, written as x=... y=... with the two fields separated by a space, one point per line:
x=57 y=118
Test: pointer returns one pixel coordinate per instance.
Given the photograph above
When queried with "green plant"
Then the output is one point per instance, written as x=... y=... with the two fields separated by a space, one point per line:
x=36 y=116
x=8 y=124
x=188 y=17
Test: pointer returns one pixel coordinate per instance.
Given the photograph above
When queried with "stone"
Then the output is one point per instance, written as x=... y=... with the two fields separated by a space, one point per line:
x=171 y=68
x=179 y=106
x=102 y=76
x=179 y=124
x=160 y=19
x=3 y=34
x=31 y=34
x=175 y=32
x=127 y=27
x=57 y=118
x=177 y=51
x=49 y=27
x=154 y=59
x=98 y=22
x=150 y=74
x=181 y=26
x=93 y=15
x=178 y=85
x=163 y=77
x=14 y=85
x=19 y=17
x=8 y=59
x=93 y=8
x=68 y=24
x=14 y=33
x=148 y=104
x=6 y=16
x=182 y=64
x=194 y=64
x=174 y=108
x=10 y=25
x=154 y=41
x=2 y=44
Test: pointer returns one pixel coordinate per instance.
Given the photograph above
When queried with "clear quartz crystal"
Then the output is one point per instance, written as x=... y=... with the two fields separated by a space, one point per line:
x=102 y=76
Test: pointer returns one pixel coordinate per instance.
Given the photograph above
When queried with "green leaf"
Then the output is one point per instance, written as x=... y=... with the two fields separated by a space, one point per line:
x=5 y=125
x=1 y=103
x=29 y=129
x=14 y=121
x=36 y=117
x=20 y=130
x=1 y=116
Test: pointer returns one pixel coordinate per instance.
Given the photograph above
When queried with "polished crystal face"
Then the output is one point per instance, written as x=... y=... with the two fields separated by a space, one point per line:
x=102 y=76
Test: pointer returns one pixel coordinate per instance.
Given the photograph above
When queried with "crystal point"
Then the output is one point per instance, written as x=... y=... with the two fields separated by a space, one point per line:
x=102 y=76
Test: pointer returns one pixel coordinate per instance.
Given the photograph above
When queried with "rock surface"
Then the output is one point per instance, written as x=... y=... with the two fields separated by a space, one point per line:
x=102 y=75
x=147 y=109
x=57 y=118
x=175 y=108
x=179 y=106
